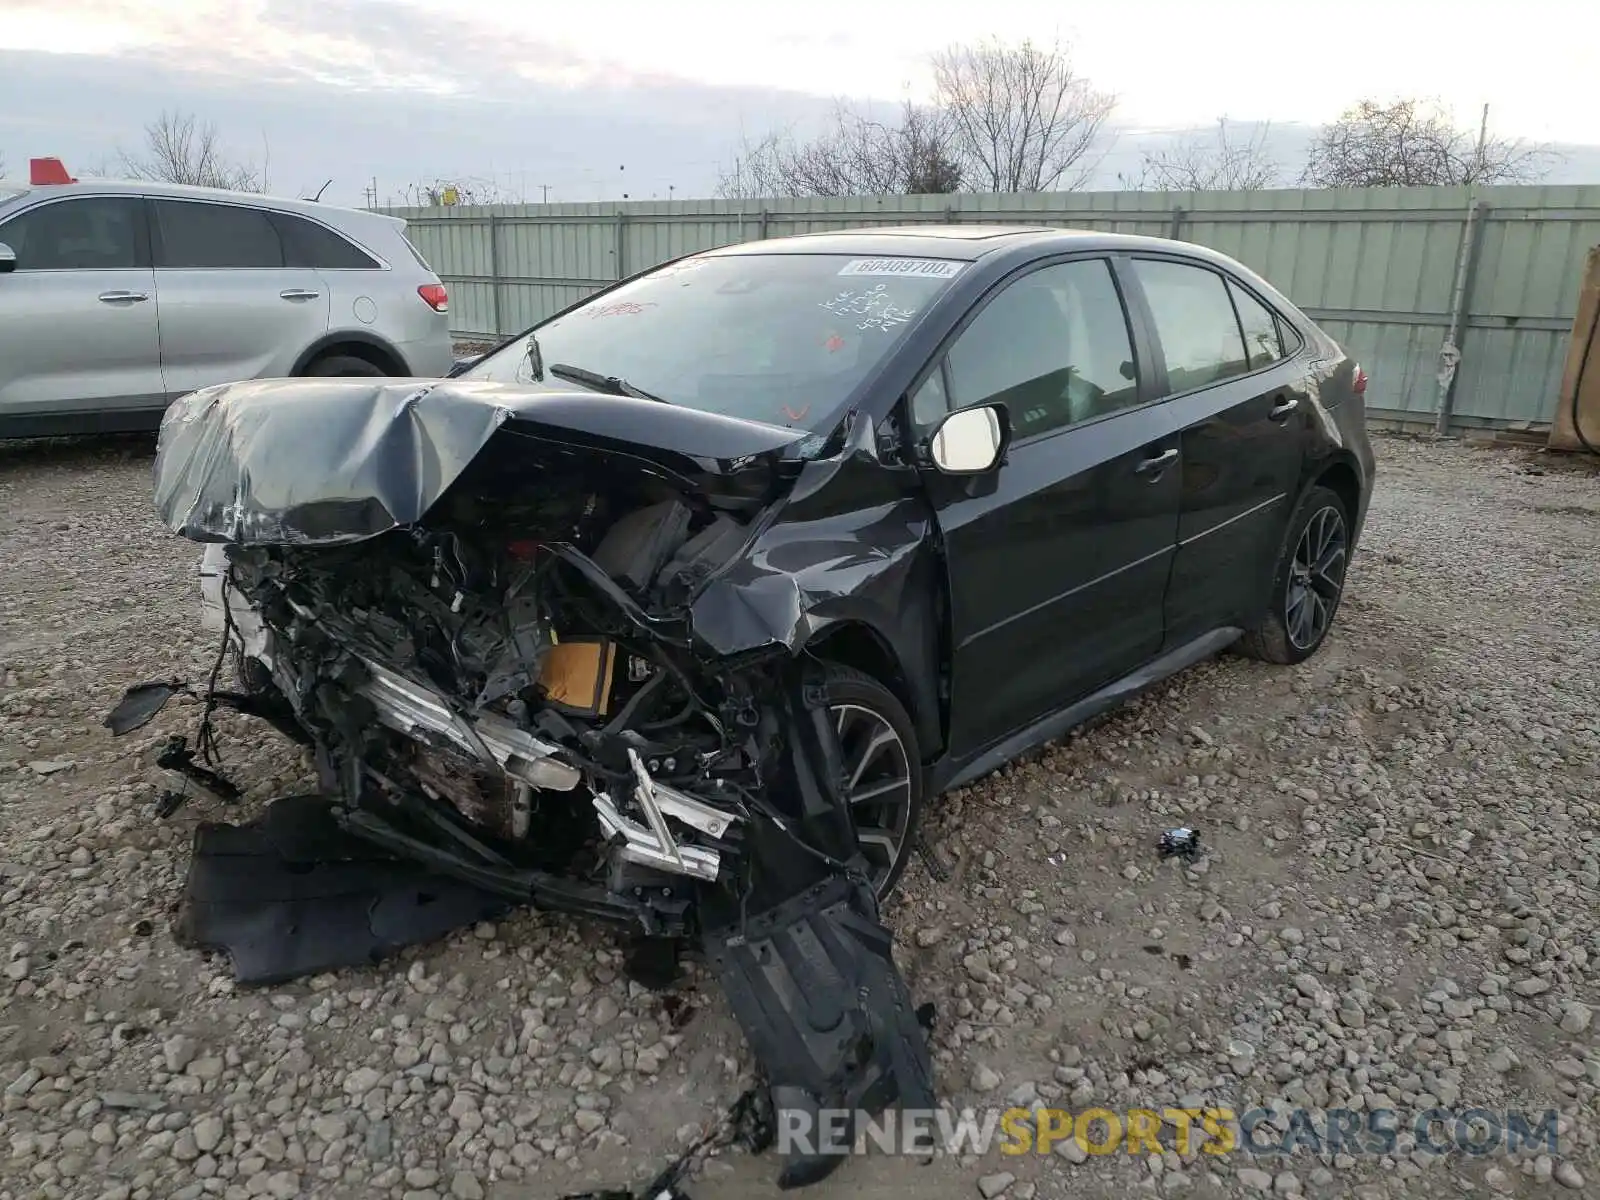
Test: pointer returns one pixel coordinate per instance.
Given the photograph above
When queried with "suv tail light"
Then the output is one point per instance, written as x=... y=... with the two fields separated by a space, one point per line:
x=435 y=296
x=1358 y=384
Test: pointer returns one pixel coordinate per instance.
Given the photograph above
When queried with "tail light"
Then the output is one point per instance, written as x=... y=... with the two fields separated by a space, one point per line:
x=435 y=296
x=1358 y=384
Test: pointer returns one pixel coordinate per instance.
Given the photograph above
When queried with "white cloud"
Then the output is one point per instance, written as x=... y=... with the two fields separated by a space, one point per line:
x=1171 y=61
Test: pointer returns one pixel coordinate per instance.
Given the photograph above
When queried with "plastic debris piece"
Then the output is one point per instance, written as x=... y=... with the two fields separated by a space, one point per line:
x=1181 y=843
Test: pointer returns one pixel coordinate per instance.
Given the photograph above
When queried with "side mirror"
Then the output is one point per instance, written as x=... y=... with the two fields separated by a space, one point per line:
x=971 y=441
x=8 y=259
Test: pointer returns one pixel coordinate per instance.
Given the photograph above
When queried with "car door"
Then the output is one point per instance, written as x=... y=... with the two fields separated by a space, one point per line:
x=1057 y=561
x=230 y=307
x=78 y=328
x=1244 y=410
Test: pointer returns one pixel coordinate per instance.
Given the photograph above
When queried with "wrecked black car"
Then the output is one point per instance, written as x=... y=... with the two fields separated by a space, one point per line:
x=675 y=609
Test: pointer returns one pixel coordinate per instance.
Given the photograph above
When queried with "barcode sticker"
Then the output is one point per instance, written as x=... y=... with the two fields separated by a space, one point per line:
x=913 y=268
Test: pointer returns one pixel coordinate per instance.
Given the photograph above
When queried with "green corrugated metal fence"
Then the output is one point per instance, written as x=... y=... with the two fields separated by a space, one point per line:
x=1378 y=268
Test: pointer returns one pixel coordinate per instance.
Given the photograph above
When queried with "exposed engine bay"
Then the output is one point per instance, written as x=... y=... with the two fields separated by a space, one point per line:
x=497 y=671
x=507 y=690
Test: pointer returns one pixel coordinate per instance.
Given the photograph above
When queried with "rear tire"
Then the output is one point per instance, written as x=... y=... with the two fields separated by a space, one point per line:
x=1307 y=583
x=880 y=751
x=346 y=365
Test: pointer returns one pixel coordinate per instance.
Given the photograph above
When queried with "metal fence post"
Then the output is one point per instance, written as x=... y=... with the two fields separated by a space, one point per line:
x=494 y=274
x=761 y=233
x=1460 y=313
x=1175 y=224
x=622 y=244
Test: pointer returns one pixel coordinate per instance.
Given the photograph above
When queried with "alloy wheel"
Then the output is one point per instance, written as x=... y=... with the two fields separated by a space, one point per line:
x=1316 y=577
x=879 y=778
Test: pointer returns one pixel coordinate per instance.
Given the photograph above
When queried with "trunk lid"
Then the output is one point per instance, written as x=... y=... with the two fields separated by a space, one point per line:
x=329 y=461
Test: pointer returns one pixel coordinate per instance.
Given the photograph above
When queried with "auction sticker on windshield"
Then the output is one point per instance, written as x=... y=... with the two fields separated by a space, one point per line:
x=919 y=268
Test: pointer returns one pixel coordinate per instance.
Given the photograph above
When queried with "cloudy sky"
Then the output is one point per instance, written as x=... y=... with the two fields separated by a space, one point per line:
x=591 y=100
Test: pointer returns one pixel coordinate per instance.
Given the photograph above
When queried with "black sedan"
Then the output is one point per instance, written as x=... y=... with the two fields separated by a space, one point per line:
x=676 y=608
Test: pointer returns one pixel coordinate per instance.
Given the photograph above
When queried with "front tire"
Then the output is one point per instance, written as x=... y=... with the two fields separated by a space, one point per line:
x=1307 y=583
x=884 y=768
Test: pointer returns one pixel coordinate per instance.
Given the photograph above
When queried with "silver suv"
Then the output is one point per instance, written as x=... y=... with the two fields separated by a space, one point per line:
x=117 y=298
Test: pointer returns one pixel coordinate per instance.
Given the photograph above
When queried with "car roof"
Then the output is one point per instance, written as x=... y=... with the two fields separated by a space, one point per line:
x=177 y=191
x=966 y=243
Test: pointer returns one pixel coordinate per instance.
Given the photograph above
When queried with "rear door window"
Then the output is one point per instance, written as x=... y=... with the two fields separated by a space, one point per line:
x=307 y=244
x=1195 y=322
x=197 y=236
x=98 y=233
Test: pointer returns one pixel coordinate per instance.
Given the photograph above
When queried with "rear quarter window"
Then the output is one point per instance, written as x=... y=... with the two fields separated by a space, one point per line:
x=307 y=244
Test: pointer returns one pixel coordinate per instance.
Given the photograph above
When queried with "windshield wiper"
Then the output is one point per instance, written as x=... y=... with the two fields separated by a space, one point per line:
x=601 y=383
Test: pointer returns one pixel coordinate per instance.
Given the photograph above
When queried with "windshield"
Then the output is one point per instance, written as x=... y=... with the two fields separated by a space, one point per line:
x=779 y=338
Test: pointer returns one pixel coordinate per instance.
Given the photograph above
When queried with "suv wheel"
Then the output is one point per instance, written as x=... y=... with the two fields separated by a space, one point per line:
x=345 y=365
x=884 y=769
x=1307 y=584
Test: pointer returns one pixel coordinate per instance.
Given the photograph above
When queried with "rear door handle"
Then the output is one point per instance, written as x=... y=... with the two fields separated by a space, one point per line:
x=123 y=297
x=1284 y=406
x=298 y=294
x=1157 y=464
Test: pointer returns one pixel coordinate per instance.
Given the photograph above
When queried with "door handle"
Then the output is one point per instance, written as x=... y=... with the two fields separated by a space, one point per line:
x=123 y=297
x=298 y=294
x=1284 y=406
x=1157 y=464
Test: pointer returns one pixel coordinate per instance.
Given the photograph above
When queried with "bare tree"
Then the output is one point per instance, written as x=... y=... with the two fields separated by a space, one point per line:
x=1022 y=118
x=856 y=155
x=1408 y=143
x=180 y=149
x=1215 y=162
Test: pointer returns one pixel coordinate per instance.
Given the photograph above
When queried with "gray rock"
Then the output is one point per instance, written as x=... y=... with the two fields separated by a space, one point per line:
x=362 y=1080
x=1567 y=1176
x=990 y=1186
x=1254 y=1179
x=178 y=1052
x=1575 y=1016
x=465 y=1186
x=208 y=1132
x=984 y=1079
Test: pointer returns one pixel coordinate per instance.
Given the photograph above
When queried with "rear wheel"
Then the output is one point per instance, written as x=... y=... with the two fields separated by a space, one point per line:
x=345 y=365
x=1308 y=583
x=883 y=769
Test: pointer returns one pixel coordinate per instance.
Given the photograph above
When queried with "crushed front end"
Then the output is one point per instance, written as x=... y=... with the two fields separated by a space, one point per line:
x=500 y=680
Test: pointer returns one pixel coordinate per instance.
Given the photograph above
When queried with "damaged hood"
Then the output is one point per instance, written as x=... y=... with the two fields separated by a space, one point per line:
x=323 y=461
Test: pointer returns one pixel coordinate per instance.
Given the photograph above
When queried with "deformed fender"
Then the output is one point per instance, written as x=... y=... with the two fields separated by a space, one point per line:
x=852 y=544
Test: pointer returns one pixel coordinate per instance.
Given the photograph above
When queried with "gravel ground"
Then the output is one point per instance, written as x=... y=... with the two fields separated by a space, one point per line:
x=1397 y=910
